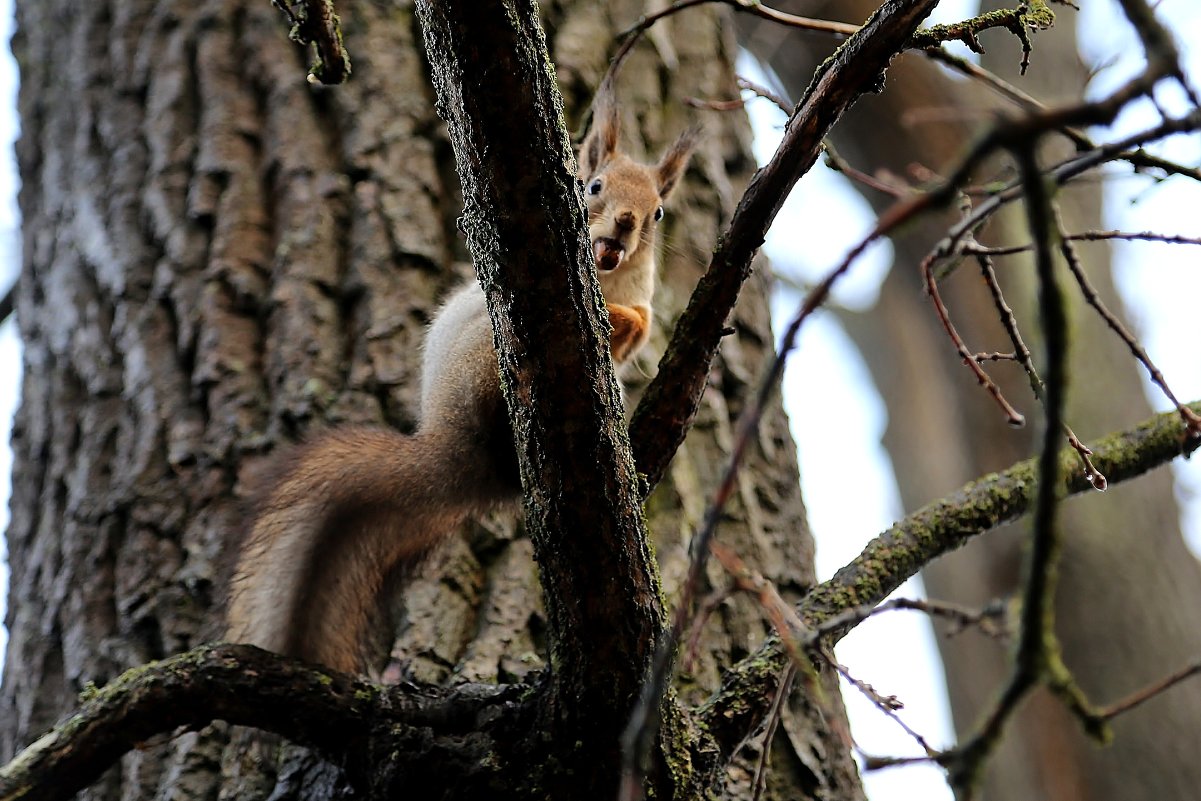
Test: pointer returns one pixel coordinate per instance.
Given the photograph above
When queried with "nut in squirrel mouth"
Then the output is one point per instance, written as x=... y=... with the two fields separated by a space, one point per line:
x=608 y=253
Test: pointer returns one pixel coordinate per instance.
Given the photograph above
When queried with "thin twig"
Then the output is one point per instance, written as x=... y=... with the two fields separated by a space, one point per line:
x=995 y=356
x=774 y=714
x=781 y=615
x=7 y=303
x=837 y=163
x=738 y=103
x=1147 y=693
x=1015 y=20
x=839 y=29
x=1013 y=416
x=990 y=619
x=833 y=160
x=1159 y=46
x=886 y=704
x=956 y=240
x=910 y=544
x=1088 y=236
x=1093 y=298
x=1104 y=714
x=1036 y=658
x=1005 y=89
x=705 y=610
x=765 y=93
x=714 y=105
x=1022 y=355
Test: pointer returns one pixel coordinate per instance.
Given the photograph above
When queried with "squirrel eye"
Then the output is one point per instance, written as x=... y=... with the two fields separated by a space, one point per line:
x=658 y=214
x=594 y=188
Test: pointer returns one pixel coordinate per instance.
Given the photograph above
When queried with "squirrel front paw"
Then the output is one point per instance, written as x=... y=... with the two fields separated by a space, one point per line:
x=631 y=327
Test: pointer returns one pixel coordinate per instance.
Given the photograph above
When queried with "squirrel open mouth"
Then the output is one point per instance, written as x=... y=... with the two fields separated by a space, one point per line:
x=608 y=252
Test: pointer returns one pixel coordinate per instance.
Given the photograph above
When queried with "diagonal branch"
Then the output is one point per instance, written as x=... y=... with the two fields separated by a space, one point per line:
x=332 y=712
x=898 y=553
x=673 y=397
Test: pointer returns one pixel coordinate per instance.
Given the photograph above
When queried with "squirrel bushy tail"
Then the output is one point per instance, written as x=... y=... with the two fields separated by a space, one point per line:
x=312 y=571
x=357 y=505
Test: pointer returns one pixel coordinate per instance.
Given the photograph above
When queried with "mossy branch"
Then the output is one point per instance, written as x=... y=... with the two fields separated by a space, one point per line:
x=316 y=22
x=331 y=712
x=1016 y=20
x=944 y=525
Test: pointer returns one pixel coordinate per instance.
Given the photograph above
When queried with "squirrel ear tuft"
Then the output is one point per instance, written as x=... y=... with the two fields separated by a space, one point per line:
x=671 y=167
x=601 y=142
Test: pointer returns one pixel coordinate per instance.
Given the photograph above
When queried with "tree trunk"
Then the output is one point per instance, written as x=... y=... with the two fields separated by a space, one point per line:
x=220 y=258
x=1128 y=584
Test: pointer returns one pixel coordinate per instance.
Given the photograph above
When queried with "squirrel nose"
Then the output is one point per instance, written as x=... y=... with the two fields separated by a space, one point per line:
x=625 y=220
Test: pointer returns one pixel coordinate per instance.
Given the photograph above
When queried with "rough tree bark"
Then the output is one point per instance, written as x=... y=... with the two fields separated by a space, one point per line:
x=219 y=258
x=1129 y=586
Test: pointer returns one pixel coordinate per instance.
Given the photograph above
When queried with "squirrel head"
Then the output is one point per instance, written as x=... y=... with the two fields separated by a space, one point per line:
x=625 y=199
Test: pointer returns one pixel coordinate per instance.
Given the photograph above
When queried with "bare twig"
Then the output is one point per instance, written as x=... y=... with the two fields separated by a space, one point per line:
x=898 y=553
x=773 y=721
x=7 y=302
x=1012 y=415
x=889 y=704
x=705 y=610
x=1016 y=20
x=1089 y=236
x=714 y=105
x=994 y=356
x=836 y=162
x=957 y=239
x=833 y=160
x=840 y=29
x=1022 y=355
x=1147 y=693
x=990 y=619
x=1037 y=651
x=738 y=103
x=1082 y=141
x=1102 y=715
x=782 y=617
x=1093 y=298
x=765 y=93
x=1163 y=58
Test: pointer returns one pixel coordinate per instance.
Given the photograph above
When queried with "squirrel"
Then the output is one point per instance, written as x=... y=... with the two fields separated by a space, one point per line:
x=357 y=505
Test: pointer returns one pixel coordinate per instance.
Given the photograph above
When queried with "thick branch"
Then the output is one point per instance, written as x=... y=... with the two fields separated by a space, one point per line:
x=891 y=558
x=672 y=399
x=332 y=712
x=526 y=230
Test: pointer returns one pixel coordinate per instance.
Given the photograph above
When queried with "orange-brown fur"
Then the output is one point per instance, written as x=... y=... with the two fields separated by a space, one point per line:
x=356 y=504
